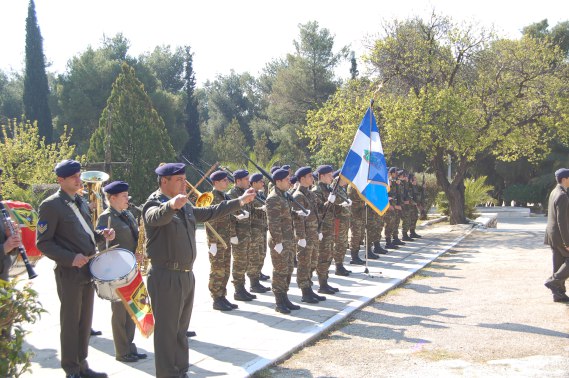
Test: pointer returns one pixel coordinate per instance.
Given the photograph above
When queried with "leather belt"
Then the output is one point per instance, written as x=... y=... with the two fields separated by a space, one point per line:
x=176 y=266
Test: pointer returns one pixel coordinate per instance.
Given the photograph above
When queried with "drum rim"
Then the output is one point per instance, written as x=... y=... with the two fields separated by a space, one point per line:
x=97 y=258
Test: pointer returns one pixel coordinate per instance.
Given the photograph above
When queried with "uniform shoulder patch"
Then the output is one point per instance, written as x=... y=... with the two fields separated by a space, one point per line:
x=42 y=227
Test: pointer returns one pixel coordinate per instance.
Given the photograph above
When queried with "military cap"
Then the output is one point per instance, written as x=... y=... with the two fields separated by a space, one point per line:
x=293 y=179
x=286 y=166
x=171 y=169
x=411 y=176
x=115 y=187
x=66 y=168
x=218 y=175
x=280 y=174
x=240 y=173
x=401 y=172
x=255 y=177
x=323 y=169
x=561 y=173
x=274 y=168
x=302 y=171
x=392 y=169
x=315 y=175
x=336 y=173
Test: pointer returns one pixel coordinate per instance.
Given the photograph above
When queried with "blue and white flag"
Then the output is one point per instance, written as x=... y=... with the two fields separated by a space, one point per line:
x=365 y=166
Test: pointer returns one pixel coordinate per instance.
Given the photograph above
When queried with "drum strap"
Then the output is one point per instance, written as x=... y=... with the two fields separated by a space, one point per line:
x=82 y=221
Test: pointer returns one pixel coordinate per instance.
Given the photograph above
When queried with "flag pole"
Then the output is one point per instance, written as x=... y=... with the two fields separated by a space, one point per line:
x=366 y=271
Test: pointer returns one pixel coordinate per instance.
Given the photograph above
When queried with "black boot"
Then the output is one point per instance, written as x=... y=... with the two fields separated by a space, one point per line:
x=220 y=305
x=332 y=287
x=406 y=237
x=389 y=244
x=396 y=240
x=256 y=287
x=356 y=259
x=378 y=250
x=263 y=277
x=371 y=255
x=281 y=306
x=319 y=298
x=232 y=305
x=289 y=304
x=252 y=296
x=307 y=296
x=241 y=294
x=415 y=235
x=324 y=288
x=341 y=270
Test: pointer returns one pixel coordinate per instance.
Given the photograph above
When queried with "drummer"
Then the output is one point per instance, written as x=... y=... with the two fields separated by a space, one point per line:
x=65 y=234
x=126 y=230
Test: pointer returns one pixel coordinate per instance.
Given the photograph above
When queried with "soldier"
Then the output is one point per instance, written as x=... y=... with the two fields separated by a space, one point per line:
x=306 y=232
x=170 y=226
x=357 y=224
x=126 y=230
x=281 y=241
x=65 y=234
x=325 y=199
x=408 y=205
x=258 y=245
x=219 y=256
x=341 y=226
x=240 y=243
x=390 y=216
x=272 y=170
x=418 y=203
x=10 y=245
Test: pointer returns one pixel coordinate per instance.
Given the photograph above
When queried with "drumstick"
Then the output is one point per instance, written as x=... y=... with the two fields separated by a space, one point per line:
x=108 y=227
x=103 y=252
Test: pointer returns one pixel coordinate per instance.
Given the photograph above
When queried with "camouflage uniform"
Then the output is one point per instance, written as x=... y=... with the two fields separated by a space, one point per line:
x=240 y=251
x=341 y=226
x=221 y=262
x=398 y=213
x=306 y=227
x=279 y=223
x=326 y=245
x=390 y=216
x=357 y=220
x=419 y=203
x=408 y=206
x=258 y=244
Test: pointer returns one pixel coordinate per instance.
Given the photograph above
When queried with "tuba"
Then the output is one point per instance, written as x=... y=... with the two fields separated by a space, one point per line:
x=94 y=181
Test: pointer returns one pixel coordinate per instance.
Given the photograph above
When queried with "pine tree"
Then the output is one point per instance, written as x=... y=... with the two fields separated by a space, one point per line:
x=36 y=89
x=138 y=135
x=193 y=148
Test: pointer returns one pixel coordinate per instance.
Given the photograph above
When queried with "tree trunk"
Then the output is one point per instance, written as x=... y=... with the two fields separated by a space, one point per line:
x=455 y=195
x=454 y=190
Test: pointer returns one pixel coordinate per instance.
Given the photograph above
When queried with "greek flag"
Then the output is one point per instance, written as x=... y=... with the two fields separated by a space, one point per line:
x=365 y=167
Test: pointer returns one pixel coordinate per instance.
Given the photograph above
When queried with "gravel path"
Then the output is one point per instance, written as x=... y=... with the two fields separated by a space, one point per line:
x=480 y=310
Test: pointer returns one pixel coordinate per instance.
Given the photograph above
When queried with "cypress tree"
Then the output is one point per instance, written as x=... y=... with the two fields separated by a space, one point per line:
x=193 y=148
x=36 y=89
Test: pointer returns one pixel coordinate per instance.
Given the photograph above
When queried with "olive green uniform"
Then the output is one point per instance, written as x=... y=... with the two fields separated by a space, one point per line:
x=357 y=220
x=258 y=244
x=240 y=251
x=326 y=245
x=306 y=227
x=341 y=226
x=279 y=223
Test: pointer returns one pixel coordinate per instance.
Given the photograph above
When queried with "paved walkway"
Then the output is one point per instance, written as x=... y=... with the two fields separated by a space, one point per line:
x=240 y=342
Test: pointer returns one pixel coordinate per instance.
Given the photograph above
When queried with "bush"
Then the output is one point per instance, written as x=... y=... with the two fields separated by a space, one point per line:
x=535 y=191
x=475 y=193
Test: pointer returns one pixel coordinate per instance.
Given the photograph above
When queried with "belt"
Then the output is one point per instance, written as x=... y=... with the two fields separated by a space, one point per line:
x=176 y=266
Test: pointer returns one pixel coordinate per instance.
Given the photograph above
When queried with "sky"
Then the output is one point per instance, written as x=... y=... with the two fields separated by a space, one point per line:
x=240 y=35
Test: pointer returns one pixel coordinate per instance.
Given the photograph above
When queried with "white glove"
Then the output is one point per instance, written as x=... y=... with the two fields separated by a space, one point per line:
x=346 y=204
x=302 y=243
x=279 y=247
x=302 y=213
x=234 y=240
x=320 y=236
x=213 y=249
x=331 y=198
x=245 y=215
x=262 y=208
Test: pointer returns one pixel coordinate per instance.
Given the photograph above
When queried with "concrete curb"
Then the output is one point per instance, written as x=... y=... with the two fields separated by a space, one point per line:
x=433 y=221
x=315 y=331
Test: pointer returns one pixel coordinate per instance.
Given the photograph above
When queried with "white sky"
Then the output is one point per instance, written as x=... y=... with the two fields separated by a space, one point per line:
x=231 y=34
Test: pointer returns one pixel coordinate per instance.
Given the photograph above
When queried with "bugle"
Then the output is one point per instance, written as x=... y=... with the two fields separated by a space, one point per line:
x=94 y=181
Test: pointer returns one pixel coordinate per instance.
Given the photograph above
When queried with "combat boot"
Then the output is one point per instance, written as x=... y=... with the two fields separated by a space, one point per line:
x=356 y=259
x=378 y=250
x=319 y=298
x=406 y=237
x=288 y=303
x=396 y=240
x=307 y=295
x=341 y=270
x=371 y=255
x=232 y=305
x=332 y=287
x=281 y=306
x=256 y=287
x=220 y=305
x=389 y=244
x=324 y=288
x=415 y=235
x=241 y=294
x=263 y=277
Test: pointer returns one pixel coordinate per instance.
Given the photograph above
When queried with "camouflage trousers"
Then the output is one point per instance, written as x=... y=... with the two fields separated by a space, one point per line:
x=325 y=249
x=257 y=251
x=395 y=232
x=390 y=219
x=240 y=252
x=356 y=228
x=407 y=216
x=414 y=218
x=307 y=258
x=374 y=226
x=283 y=265
x=341 y=227
x=220 y=268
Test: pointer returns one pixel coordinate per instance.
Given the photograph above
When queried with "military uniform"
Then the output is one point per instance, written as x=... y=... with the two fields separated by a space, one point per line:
x=326 y=245
x=342 y=216
x=418 y=198
x=357 y=224
x=306 y=227
x=61 y=236
x=407 y=209
x=126 y=236
x=240 y=251
x=258 y=244
x=171 y=247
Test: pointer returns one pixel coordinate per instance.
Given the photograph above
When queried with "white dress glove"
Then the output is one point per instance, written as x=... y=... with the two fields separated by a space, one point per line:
x=346 y=204
x=262 y=208
x=302 y=243
x=245 y=215
x=279 y=248
x=302 y=213
x=213 y=249
x=331 y=198
x=234 y=240
x=320 y=236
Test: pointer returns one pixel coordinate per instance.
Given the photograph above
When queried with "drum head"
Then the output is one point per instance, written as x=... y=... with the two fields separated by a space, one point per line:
x=112 y=265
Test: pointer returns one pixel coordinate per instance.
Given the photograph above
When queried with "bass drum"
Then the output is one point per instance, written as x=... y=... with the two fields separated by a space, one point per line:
x=27 y=219
x=112 y=270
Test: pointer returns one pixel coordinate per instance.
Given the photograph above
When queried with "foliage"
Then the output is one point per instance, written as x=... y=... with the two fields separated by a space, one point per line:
x=229 y=147
x=17 y=307
x=36 y=90
x=11 y=95
x=535 y=191
x=138 y=135
x=432 y=188
x=167 y=66
x=476 y=193
x=194 y=145
x=27 y=160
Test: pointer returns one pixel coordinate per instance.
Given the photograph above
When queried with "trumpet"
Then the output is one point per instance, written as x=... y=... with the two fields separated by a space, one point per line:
x=94 y=181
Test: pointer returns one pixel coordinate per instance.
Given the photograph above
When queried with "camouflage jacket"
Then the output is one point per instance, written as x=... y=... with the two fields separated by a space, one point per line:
x=341 y=212
x=357 y=202
x=322 y=191
x=225 y=225
x=309 y=224
x=258 y=216
x=243 y=224
x=279 y=219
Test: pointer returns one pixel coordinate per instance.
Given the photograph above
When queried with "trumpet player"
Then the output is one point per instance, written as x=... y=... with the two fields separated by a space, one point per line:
x=10 y=243
x=126 y=230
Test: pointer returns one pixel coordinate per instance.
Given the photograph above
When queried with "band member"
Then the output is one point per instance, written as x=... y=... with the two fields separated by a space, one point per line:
x=170 y=226
x=281 y=241
x=10 y=243
x=126 y=230
x=65 y=234
x=258 y=245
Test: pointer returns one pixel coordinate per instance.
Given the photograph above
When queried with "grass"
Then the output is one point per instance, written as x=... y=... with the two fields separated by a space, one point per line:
x=437 y=355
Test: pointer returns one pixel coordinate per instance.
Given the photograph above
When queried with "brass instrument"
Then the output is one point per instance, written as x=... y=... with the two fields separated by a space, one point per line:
x=94 y=181
x=203 y=200
x=140 y=253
